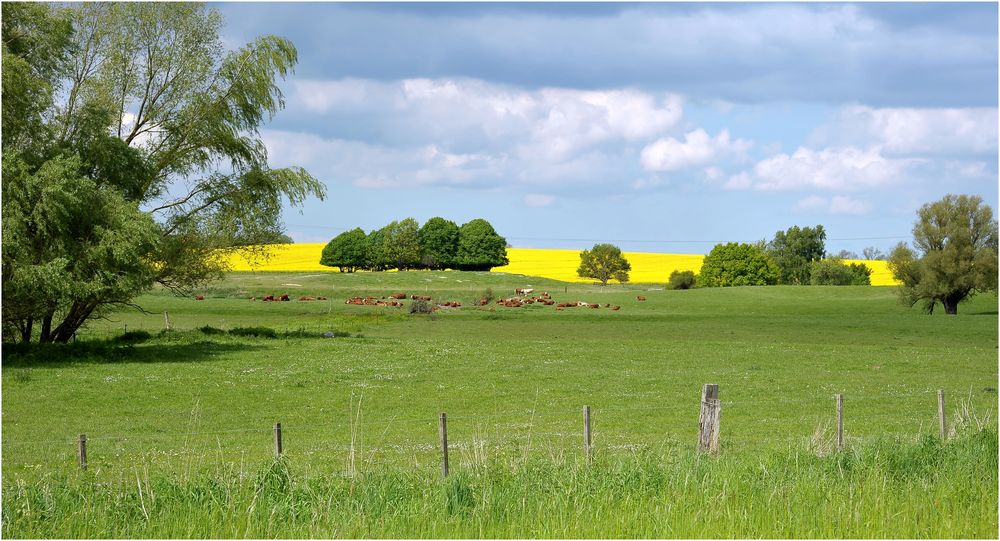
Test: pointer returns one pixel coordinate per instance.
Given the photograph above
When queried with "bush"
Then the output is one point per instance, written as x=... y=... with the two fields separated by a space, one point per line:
x=134 y=336
x=682 y=280
x=488 y=295
x=421 y=307
x=208 y=329
x=737 y=264
x=833 y=272
x=259 y=332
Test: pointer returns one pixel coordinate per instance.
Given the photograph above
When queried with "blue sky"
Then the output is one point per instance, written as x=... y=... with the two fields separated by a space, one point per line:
x=659 y=127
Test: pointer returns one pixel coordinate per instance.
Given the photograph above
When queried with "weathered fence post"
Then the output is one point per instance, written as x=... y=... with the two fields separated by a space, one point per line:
x=586 y=434
x=83 y=451
x=166 y=320
x=944 y=427
x=708 y=419
x=277 y=440
x=443 y=432
x=840 y=422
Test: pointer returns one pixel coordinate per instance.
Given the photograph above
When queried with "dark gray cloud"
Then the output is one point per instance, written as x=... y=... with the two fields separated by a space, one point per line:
x=899 y=55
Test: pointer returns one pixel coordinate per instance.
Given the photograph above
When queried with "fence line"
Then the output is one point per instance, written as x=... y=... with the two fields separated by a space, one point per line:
x=708 y=426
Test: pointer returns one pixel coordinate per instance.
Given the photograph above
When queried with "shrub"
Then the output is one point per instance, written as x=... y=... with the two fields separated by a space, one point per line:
x=737 y=264
x=134 y=336
x=260 y=332
x=208 y=329
x=682 y=280
x=833 y=272
x=488 y=295
x=421 y=307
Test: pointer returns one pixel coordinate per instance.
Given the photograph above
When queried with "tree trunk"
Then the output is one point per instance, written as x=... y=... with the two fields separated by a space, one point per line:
x=950 y=306
x=26 y=330
x=78 y=314
x=46 y=334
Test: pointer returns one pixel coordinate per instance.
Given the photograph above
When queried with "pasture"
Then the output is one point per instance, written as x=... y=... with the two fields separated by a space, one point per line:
x=188 y=414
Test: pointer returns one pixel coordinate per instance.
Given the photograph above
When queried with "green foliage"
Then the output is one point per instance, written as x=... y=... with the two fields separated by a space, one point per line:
x=604 y=262
x=737 y=264
x=420 y=306
x=346 y=251
x=682 y=280
x=957 y=242
x=794 y=250
x=257 y=332
x=402 y=244
x=105 y=106
x=833 y=272
x=480 y=247
x=438 y=243
x=376 y=256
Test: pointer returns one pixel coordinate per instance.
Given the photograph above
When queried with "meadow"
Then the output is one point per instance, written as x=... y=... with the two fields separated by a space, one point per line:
x=179 y=423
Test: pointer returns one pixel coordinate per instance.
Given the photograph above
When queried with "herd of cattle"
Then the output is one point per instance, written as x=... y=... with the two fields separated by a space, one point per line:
x=520 y=299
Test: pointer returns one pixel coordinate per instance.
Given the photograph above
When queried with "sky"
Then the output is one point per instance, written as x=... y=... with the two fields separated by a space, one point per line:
x=657 y=127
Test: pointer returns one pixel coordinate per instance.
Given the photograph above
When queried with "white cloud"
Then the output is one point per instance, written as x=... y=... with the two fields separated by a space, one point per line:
x=538 y=200
x=740 y=181
x=838 y=204
x=911 y=131
x=847 y=168
x=552 y=123
x=698 y=148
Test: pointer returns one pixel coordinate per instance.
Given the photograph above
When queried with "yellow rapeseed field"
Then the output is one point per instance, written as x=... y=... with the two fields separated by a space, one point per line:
x=556 y=264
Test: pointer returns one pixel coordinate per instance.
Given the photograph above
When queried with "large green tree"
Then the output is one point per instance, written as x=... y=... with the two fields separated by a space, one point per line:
x=346 y=251
x=737 y=264
x=402 y=244
x=604 y=262
x=131 y=156
x=794 y=250
x=480 y=247
x=956 y=254
x=438 y=243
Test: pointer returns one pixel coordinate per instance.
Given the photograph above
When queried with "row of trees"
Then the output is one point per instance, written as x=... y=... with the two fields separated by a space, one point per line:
x=108 y=109
x=404 y=244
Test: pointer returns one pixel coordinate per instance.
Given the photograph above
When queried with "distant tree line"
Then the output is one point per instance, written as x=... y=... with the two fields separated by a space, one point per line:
x=405 y=245
x=796 y=256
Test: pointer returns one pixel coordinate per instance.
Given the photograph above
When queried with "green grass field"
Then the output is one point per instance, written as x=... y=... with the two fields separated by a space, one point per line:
x=188 y=414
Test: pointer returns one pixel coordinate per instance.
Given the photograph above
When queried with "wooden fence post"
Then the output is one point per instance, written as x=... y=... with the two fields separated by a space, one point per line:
x=83 y=451
x=166 y=320
x=586 y=434
x=708 y=419
x=277 y=440
x=443 y=433
x=941 y=418
x=840 y=422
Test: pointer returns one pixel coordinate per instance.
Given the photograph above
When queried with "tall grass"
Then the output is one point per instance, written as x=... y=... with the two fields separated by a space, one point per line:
x=926 y=489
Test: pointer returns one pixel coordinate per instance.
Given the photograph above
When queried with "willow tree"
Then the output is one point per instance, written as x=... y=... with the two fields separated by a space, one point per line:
x=955 y=256
x=131 y=155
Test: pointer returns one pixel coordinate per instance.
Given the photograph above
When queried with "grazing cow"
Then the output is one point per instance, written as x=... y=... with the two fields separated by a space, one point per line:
x=640 y=298
x=616 y=307
x=199 y=297
x=523 y=290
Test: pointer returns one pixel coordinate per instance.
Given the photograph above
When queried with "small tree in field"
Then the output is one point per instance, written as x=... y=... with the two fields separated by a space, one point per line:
x=957 y=242
x=604 y=262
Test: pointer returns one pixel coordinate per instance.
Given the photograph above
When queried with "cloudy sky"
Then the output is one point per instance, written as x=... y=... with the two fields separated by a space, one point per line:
x=659 y=127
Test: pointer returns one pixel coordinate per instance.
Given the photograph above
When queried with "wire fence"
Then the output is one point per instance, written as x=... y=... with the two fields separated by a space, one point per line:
x=555 y=430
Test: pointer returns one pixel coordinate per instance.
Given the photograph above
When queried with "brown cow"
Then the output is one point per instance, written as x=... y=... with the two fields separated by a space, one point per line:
x=398 y=296
x=640 y=298
x=199 y=297
x=616 y=307
x=284 y=297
